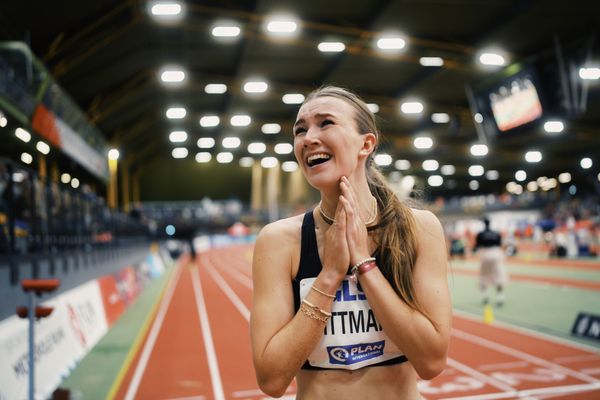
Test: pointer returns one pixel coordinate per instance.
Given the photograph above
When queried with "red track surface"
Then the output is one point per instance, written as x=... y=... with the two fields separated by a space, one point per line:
x=199 y=348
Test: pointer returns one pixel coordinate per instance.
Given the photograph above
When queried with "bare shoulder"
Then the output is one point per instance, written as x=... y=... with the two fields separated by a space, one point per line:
x=277 y=246
x=280 y=232
x=427 y=223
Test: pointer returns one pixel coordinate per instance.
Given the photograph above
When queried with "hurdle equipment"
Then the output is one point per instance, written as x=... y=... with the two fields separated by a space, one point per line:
x=35 y=287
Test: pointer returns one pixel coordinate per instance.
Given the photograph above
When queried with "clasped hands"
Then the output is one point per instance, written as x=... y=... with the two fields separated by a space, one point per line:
x=347 y=240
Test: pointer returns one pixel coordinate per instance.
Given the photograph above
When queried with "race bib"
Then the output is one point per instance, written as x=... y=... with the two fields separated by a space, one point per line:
x=352 y=338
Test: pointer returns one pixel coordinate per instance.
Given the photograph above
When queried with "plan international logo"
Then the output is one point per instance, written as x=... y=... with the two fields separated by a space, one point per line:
x=354 y=353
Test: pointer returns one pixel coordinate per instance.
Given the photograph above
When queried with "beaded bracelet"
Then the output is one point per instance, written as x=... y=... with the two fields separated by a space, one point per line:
x=313 y=311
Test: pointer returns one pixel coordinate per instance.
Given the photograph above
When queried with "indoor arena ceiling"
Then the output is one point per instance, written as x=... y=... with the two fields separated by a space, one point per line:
x=108 y=56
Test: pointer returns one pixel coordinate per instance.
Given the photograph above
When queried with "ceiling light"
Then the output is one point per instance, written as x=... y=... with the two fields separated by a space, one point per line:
x=246 y=162
x=430 y=165
x=224 y=157
x=402 y=165
x=412 y=107
x=479 y=150
x=492 y=59
x=431 y=61
x=423 y=142
x=293 y=98
x=383 y=159
x=240 y=120
x=532 y=186
x=74 y=183
x=282 y=26
x=255 y=87
x=492 y=175
x=65 y=178
x=289 y=166
x=589 y=73
x=440 y=118
x=283 y=148
x=215 y=88
x=331 y=47
x=476 y=170
x=166 y=8
x=533 y=156
x=176 y=113
x=203 y=157
x=178 y=136
x=448 y=169
x=478 y=118
x=209 y=121
x=520 y=175
x=26 y=158
x=179 y=152
x=373 y=107
x=226 y=31
x=42 y=147
x=391 y=43
x=565 y=177
x=435 y=180
x=554 y=126
x=113 y=154
x=473 y=185
x=514 y=188
x=3 y=120
x=172 y=75
x=206 y=143
x=586 y=163
x=257 y=148
x=269 y=162
x=231 y=142
x=23 y=135
x=270 y=129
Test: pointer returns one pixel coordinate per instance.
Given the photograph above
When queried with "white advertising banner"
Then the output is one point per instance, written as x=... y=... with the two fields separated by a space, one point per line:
x=62 y=339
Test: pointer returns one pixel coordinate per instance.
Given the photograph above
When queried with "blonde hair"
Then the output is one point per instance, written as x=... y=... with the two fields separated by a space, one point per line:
x=396 y=238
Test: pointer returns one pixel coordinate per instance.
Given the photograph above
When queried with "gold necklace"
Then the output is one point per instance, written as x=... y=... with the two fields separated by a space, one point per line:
x=372 y=218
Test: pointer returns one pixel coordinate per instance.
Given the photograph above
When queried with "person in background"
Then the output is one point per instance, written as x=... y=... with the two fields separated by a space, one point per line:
x=350 y=298
x=492 y=270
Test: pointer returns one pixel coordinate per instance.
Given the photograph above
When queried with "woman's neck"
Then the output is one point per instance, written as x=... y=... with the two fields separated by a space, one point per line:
x=329 y=201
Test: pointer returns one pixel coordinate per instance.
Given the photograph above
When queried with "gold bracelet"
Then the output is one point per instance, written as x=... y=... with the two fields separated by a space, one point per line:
x=331 y=296
x=314 y=312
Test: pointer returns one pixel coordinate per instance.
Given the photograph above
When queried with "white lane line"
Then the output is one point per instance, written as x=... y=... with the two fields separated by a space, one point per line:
x=229 y=292
x=522 y=355
x=529 y=393
x=213 y=366
x=237 y=275
x=152 y=336
x=528 y=331
x=581 y=357
x=481 y=377
x=506 y=365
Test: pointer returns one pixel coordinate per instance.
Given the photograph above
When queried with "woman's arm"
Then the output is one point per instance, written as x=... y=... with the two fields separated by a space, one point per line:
x=424 y=342
x=282 y=339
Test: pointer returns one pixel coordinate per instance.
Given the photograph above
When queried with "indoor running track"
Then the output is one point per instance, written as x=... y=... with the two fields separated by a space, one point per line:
x=198 y=347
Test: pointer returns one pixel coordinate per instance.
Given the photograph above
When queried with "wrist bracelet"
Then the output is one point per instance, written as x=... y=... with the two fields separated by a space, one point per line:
x=356 y=266
x=331 y=296
x=313 y=311
x=363 y=269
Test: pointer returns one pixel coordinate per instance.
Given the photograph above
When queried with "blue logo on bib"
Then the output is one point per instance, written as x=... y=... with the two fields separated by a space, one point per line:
x=351 y=354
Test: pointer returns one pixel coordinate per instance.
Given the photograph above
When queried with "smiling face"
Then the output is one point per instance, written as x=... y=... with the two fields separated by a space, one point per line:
x=327 y=143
